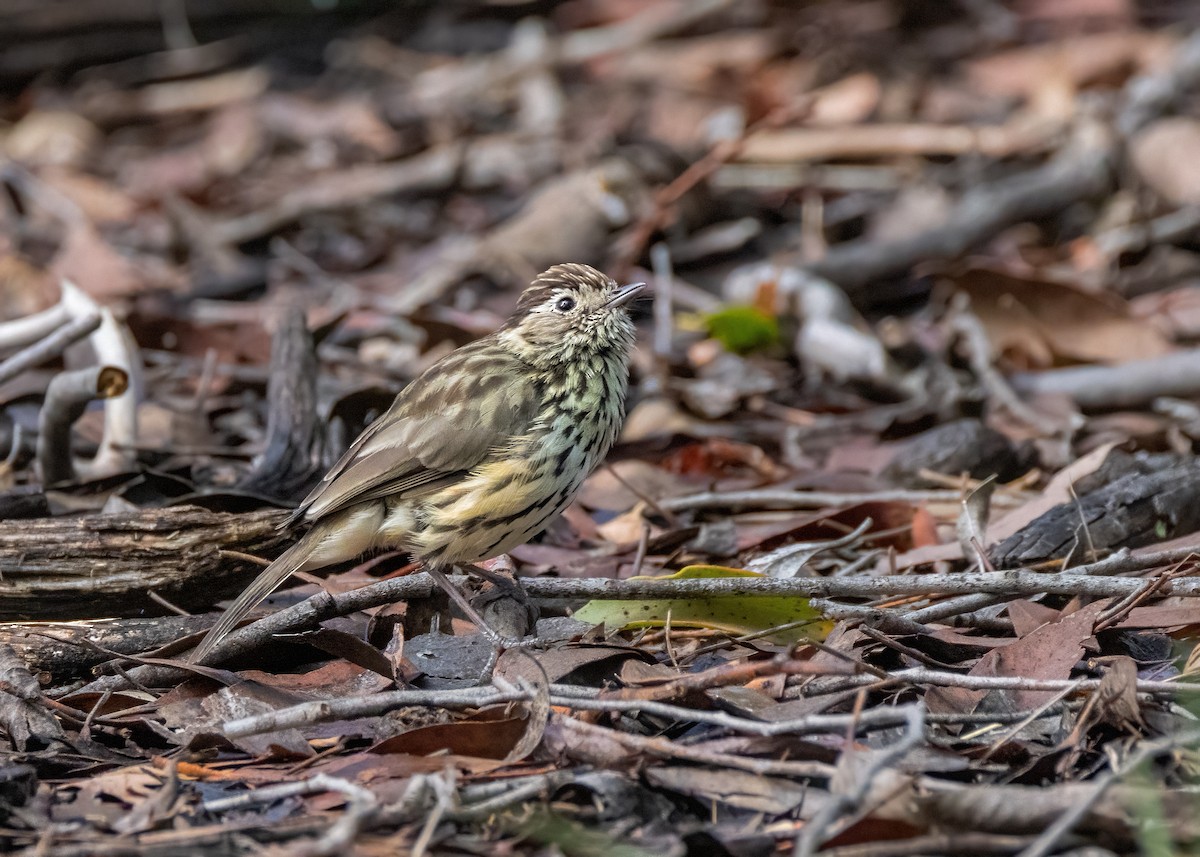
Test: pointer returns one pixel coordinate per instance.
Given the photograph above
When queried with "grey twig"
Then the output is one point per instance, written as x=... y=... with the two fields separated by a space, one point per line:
x=308 y=713
x=1119 y=563
x=784 y=499
x=49 y=348
x=941 y=678
x=338 y=838
x=816 y=830
x=67 y=397
x=323 y=606
x=1125 y=385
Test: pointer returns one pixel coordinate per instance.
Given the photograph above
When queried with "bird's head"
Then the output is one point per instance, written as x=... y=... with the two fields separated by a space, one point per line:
x=571 y=312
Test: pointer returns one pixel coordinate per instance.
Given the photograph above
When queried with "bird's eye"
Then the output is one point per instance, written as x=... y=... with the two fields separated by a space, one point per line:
x=565 y=304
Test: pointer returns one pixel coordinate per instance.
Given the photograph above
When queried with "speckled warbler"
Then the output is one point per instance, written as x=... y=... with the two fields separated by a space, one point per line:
x=483 y=449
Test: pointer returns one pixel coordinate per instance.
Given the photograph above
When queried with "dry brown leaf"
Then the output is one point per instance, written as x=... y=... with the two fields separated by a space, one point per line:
x=486 y=735
x=51 y=137
x=849 y=100
x=1116 y=698
x=623 y=484
x=1036 y=323
x=1050 y=651
x=1164 y=155
x=559 y=663
x=753 y=792
x=1176 y=313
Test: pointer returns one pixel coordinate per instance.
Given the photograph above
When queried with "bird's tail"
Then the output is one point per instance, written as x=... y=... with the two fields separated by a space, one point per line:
x=335 y=539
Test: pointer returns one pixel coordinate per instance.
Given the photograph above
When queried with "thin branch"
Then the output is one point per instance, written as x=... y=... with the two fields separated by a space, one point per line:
x=67 y=397
x=321 y=711
x=940 y=678
x=49 y=348
x=1119 y=563
x=785 y=499
x=815 y=832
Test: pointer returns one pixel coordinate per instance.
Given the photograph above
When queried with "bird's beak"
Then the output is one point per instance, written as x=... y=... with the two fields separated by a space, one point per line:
x=625 y=294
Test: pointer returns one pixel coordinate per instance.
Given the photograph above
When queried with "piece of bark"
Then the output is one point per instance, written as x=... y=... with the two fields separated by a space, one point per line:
x=289 y=461
x=69 y=650
x=1135 y=510
x=105 y=565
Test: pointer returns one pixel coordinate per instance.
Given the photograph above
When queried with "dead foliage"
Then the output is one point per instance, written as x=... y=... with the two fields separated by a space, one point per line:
x=895 y=555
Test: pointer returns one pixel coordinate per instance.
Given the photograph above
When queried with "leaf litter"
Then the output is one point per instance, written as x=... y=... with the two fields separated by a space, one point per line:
x=896 y=553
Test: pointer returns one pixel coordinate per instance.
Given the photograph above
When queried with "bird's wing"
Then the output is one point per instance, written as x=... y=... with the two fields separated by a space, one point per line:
x=441 y=425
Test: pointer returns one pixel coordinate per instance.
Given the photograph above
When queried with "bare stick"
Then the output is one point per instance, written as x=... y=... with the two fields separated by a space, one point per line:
x=1153 y=94
x=113 y=345
x=1126 y=385
x=49 y=348
x=31 y=328
x=1080 y=172
x=310 y=713
x=324 y=606
x=784 y=499
x=324 y=710
x=941 y=678
x=67 y=397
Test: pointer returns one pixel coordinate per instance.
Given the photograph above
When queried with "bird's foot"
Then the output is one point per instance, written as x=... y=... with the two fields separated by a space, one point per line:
x=500 y=643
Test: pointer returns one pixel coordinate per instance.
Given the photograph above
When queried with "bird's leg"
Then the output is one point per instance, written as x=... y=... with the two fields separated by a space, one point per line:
x=509 y=585
x=505 y=604
x=499 y=643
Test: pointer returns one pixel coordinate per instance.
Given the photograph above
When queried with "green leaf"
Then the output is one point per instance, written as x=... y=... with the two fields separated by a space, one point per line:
x=572 y=838
x=734 y=614
x=742 y=329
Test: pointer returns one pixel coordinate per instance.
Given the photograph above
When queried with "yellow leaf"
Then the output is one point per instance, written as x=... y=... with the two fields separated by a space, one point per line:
x=736 y=615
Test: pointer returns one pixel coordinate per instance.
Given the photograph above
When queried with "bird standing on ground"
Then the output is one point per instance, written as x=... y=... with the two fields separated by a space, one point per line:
x=483 y=449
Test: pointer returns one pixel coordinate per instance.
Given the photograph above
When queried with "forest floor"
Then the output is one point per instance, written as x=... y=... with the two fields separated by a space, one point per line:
x=897 y=551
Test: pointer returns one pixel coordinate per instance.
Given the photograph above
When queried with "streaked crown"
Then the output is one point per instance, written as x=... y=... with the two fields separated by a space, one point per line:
x=571 y=312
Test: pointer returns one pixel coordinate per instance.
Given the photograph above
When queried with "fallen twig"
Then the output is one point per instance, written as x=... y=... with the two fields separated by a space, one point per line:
x=1125 y=385
x=785 y=499
x=816 y=831
x=792 y=145
x=939 y=678
x=67 y=397
x=51 y=347
x=288 y=461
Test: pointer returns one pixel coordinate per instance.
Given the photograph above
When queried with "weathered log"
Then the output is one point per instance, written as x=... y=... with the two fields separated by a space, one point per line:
x=94 y=566
x=1135 y=510
x=71 y=649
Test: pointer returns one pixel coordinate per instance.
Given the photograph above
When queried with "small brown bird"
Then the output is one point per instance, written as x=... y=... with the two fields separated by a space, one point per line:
x=483 y=449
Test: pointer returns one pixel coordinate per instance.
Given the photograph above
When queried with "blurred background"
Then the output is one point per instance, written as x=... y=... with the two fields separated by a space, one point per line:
x=861 y=219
